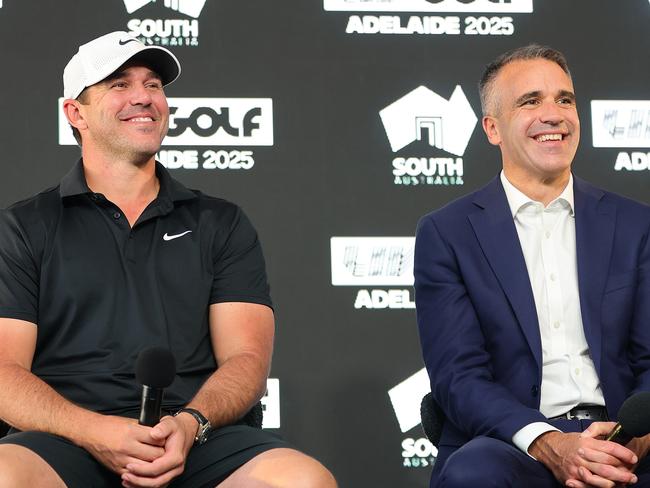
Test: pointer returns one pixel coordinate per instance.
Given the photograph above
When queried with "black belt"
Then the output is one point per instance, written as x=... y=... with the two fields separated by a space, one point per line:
x=585 y=412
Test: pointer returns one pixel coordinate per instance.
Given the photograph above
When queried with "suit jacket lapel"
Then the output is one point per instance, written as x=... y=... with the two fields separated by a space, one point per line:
x=595 y=223
x=495 y=230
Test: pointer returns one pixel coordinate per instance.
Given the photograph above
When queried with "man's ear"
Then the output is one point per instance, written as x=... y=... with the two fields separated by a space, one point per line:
x=491 y=129
x=72 y=111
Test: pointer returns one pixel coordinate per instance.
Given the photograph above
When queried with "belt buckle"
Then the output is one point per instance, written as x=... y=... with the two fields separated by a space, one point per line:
x=585 y=413
x=569 y=415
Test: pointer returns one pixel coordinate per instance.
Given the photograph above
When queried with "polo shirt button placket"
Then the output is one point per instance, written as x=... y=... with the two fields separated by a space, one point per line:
x=130 y=247
x=117 y=215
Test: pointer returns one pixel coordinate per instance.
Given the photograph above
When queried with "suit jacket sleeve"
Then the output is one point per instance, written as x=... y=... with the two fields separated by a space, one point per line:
x=454 y=345
x=639 y=344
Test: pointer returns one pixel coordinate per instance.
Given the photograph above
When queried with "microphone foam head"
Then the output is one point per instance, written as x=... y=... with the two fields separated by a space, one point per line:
x=634 y=415
x=155 y=367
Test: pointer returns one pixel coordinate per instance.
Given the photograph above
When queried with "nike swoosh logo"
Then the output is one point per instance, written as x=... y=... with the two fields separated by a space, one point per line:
x=126 y=41
x=167 y=237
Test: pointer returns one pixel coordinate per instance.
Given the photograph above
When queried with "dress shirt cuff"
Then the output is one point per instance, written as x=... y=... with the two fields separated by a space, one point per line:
x=525 y=436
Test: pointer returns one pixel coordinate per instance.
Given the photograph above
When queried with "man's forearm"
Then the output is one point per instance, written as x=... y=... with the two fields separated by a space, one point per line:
x=28 y=403
x=232 y=390
x=543 y=448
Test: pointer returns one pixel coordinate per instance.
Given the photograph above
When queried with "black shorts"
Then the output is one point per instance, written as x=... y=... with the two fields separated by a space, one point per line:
x=207 y=465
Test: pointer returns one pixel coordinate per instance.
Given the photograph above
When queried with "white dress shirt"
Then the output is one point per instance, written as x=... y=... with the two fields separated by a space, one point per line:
x=548 y=241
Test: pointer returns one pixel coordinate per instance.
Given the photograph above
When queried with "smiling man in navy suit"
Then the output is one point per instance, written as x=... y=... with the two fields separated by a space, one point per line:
x=533 y=301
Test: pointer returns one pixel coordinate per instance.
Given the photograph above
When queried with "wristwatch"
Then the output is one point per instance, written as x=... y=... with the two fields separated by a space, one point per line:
x=204 y=424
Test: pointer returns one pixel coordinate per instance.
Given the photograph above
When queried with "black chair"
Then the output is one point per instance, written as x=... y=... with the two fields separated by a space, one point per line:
x=432 y=418
x=254 y=417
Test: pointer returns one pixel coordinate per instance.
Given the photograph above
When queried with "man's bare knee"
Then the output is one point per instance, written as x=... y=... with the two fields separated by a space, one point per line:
x=22 y=468
x=281 y=468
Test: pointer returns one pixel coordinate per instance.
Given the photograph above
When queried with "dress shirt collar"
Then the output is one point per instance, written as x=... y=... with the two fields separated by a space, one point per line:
x=517 y=200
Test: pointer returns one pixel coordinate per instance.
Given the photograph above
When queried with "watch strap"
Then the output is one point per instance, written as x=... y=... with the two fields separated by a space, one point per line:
x=204 y=423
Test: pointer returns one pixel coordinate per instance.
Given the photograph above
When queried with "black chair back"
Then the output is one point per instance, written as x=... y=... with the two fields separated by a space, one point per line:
x=254 y=417
x=432 y=417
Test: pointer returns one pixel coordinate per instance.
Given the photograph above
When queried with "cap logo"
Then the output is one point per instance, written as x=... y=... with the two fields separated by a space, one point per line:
x=126 y=41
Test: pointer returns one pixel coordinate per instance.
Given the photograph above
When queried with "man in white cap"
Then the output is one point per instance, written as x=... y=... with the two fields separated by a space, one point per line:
x=120 y=256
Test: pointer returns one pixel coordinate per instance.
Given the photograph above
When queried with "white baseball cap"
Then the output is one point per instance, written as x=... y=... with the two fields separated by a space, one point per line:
x=100 y=57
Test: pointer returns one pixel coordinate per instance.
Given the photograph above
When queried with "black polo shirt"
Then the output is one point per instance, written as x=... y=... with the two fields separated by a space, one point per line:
x=101 y=291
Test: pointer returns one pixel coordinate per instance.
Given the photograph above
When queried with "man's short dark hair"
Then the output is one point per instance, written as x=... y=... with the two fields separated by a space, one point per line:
x=531 y=51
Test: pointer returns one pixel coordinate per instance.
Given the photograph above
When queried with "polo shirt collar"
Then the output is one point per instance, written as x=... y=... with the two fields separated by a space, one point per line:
x=171 y=188
x=74 y=183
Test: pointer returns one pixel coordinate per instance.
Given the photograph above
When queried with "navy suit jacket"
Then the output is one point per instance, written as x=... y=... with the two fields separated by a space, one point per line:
x=476 y=312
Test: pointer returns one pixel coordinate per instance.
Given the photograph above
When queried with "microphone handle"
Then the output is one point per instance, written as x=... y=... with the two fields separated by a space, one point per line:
x=150 y=406
x=619 y=435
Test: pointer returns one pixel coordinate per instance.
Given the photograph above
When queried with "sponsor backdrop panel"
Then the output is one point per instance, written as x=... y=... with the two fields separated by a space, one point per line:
x=336 y=124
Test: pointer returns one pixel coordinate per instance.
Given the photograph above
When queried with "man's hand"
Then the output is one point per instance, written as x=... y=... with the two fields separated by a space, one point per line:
x=599 y=430
x=581 y=461
x=117 y=442
x=176 y=434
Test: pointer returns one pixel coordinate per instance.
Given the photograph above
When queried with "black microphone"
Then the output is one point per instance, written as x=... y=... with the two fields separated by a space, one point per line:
x=155 y=369
x=633 y=419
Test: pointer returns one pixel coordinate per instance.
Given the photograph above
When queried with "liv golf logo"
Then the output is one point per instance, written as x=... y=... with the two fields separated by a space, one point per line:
x=375 y=262
x=623 y=124
x=166 y=30
x=447 y=125
x=481 y=25
x=200 y=130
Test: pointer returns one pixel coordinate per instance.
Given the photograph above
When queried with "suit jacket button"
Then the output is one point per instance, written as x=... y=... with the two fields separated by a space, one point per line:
x=534 y=390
